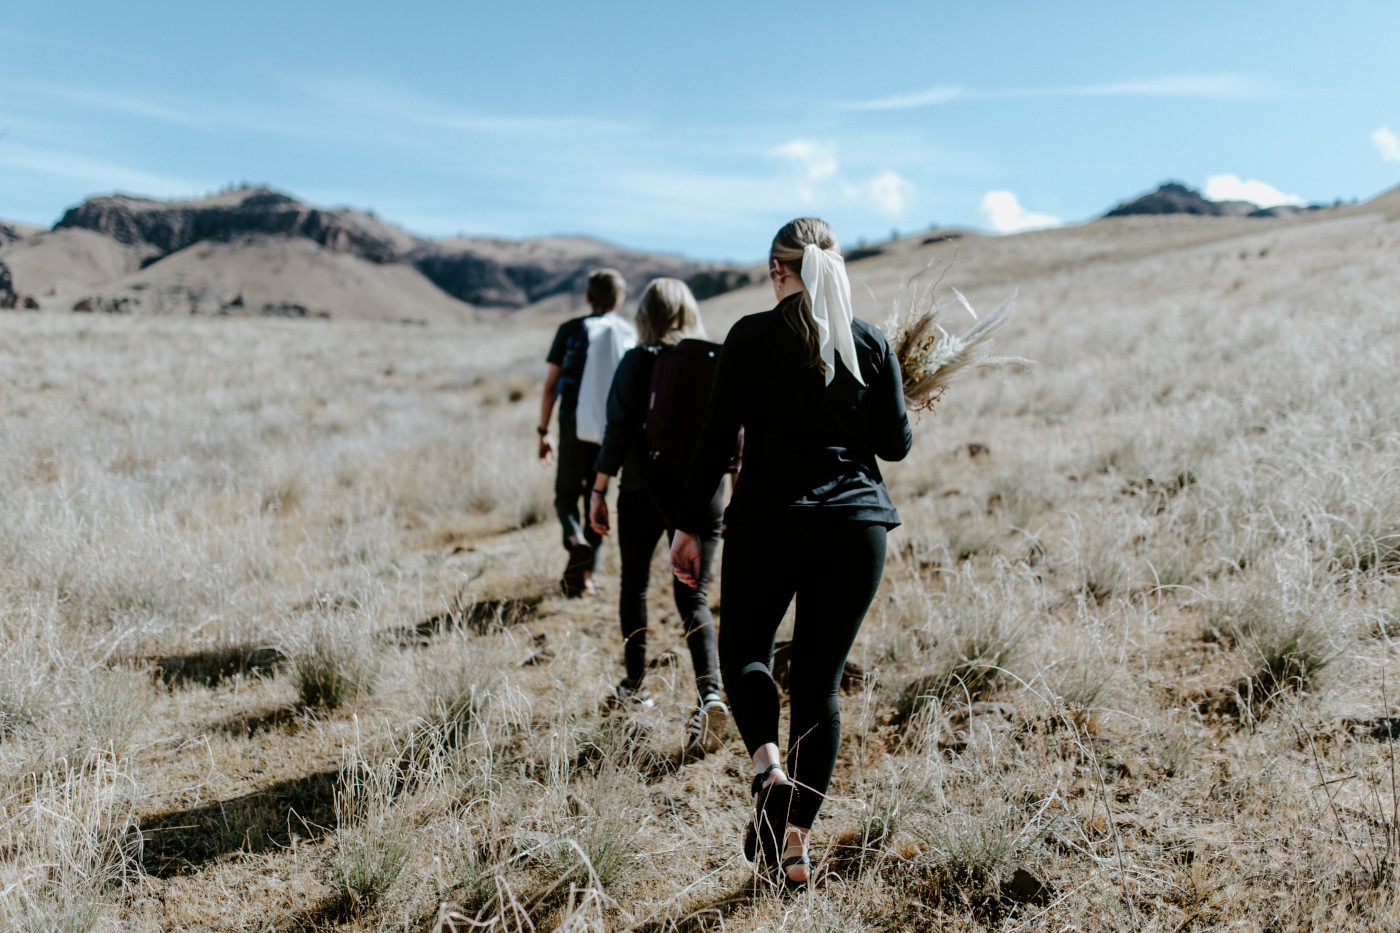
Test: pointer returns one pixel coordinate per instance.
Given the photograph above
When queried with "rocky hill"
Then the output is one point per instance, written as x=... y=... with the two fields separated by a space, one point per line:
x=1176 y=198
x=254 y=250
x=11 y=232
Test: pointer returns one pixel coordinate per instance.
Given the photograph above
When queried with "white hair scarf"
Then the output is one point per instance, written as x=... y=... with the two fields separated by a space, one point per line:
x=824 y=274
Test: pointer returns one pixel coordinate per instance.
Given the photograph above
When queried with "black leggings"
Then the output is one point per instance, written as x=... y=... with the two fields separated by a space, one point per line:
x=639 y=527
x=833 y=568
x=572 y=482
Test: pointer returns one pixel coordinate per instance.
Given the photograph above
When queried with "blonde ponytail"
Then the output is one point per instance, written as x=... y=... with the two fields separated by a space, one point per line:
x=788 y=245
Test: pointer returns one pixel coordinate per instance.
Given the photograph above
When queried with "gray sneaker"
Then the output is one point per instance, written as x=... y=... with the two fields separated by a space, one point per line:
x=705 y=731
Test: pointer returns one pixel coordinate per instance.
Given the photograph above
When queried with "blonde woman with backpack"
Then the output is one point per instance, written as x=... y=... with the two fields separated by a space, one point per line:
x=654 y=410
x=819 y=396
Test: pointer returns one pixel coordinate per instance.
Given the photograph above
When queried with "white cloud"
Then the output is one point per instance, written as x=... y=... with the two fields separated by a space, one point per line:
x=816 y=161
x=1004 y=212
x=1232 y=188
x=1387 y=144
x=818 y=170
x=889 y=191
x=1218 y=87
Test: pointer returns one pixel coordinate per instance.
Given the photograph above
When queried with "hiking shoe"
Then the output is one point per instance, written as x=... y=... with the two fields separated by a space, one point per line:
x=575 y=582
x=705 y=731
x=626 y=699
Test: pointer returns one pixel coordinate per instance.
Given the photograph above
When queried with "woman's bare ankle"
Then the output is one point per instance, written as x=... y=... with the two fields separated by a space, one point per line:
x=795 y=842
x=766 y=761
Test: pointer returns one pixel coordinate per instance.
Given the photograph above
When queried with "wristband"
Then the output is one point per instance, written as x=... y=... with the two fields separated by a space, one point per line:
x=600 y=492
x=541 y=431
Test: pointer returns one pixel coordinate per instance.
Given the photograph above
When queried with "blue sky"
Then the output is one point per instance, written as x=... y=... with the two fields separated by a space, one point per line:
x=697 y=128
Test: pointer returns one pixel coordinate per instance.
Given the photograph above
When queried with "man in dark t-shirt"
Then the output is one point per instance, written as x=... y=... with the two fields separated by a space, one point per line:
x=574 y=477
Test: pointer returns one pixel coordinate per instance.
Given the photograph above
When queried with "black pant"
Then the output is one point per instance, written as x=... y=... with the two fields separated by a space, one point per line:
x=573 y=480
x=639 y=527
x=833 y=568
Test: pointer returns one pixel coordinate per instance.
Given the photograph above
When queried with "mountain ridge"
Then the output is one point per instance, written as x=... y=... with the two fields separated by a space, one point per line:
x=1173 y=197
x=118 y=253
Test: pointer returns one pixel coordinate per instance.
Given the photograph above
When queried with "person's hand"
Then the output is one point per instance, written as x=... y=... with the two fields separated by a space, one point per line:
x=546 y=450
x=598 y=513
x=685 y=558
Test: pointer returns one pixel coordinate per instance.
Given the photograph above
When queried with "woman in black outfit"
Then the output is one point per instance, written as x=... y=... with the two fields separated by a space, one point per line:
x=646 y=506
x=820 y=397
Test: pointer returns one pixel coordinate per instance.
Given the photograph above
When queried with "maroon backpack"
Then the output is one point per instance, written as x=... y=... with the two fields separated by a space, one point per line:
x=681 y=378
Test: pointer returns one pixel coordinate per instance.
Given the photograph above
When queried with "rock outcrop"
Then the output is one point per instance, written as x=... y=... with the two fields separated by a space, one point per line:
x=714 y=282
x=516 y=273
x=1287 y=210
x=7 y=288
x=13 y=232
x=138 y=254
x=1176 y=198
x=169 y=226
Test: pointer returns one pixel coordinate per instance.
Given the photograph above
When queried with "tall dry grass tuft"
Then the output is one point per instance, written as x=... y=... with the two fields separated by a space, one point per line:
x=1285 y=621
x=976 y=632
x=373 y=844
x=25 y=692
x=72 y=848
x=108 y=707
x=332 y=652
x=599 y=844
x=975 y=846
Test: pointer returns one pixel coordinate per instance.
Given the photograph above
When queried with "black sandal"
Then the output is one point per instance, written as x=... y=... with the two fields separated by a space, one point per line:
x=763 y=837
x=793 y=861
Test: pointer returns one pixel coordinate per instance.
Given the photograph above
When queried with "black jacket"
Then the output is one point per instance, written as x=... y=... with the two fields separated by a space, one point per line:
x=627 y=415
x=809 y=448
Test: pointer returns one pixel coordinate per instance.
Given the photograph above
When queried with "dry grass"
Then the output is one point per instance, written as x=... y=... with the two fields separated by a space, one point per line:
x=278 y=647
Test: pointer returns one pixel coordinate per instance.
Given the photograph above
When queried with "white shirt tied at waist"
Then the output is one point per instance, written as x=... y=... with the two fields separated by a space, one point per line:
x=824 y=275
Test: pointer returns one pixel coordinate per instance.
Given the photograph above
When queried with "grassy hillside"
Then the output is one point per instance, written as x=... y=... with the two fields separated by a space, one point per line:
x=281 y=650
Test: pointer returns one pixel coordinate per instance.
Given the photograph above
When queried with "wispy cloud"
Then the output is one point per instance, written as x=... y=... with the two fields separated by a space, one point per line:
x=110 y=103
x=819 y=174
x=93 y=174
x=1004 y=213
x=1219 y=86
x=388 y=103
x=1234 y=188
x=1222 y=86
x=939 y=94
x=1387 y=144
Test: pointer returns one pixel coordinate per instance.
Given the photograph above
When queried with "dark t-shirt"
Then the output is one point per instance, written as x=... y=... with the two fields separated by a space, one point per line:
x=809 y=448
x=569 y=352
